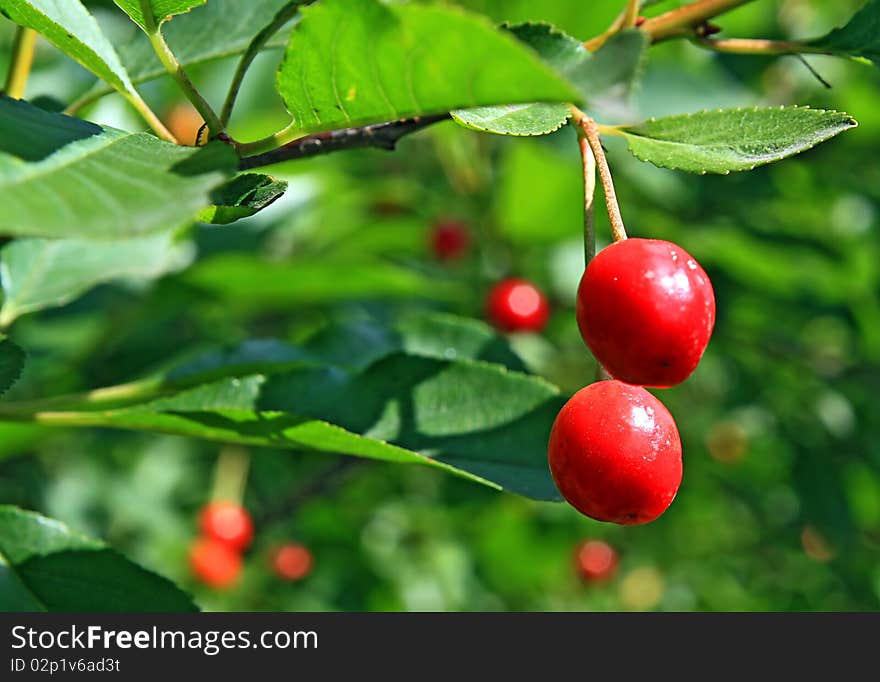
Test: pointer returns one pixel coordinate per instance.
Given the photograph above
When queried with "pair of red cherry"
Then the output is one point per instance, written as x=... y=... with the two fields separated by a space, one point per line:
x=646 y=309
x=226 y=532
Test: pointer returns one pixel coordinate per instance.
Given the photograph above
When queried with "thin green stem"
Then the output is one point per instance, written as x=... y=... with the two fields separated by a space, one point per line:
x=257 y=44
x=681 y=22
x=176 y=71
x=22 y=60
x=279 y=139
x=230 y=475
x=149 y=116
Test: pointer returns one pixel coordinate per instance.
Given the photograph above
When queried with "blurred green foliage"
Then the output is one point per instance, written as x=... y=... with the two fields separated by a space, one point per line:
x=780 y=504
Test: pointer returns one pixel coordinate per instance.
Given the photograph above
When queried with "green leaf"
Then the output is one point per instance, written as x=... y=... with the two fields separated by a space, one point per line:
x=732 y=139
x=12 y=359
x=41 y=273
x=241 y=197
x=423 y=390
x=46 y=566
x=260 y=284
x=356 y=344
x=69 y=26
x=162 y=11
x=613 y=73
x=560 y=51
x=859 y=38
x=353 y=63
x=215 y=30
x=63 y=177
x=471 y=418
x=537 y=118
x=605 y=80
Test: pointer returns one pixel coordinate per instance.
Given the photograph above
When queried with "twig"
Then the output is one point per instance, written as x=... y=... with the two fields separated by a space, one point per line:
x=22 y=60
x=176 y=71
x=680 y=22
x=380 y=136
x=285 y=14
x=755 y=46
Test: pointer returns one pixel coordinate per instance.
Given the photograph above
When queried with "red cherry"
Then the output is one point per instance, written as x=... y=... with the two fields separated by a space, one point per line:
x=615 y=453
x=596 y=560
x=517 y=305
x=646 y=309
x=214 y=563
x=450 y=239
x=227 y=522
x=292 y=561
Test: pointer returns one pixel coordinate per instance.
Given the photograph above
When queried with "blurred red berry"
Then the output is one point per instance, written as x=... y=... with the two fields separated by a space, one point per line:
x=450 y=239
x=227 y=522
x=596 y=560
x=214 y=563
x=292 y=561
x=517 y=305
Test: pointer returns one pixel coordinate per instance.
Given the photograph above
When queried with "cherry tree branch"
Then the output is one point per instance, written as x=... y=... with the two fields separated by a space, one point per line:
x=378 y=136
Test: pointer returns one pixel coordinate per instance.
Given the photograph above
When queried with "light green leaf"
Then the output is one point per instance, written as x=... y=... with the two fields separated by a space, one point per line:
x=353 y=63
x=260 y=284
x=241 y=197
x=605 y=80
x=69 y=26
x=215 y=30
x=162 y=11
x=537 y=118
x=42 y=273
x=63 y=177
x=859 y=38
x=45 y=566
x=12 y=359
x=562 y=52
x=732 y=139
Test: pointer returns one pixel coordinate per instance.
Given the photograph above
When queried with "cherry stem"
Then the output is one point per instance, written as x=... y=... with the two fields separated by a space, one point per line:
x=589 y=162
x=590 y=130
x=230 y=475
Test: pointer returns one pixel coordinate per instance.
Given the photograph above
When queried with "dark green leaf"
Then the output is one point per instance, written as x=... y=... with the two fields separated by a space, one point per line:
x=12 y=359
x=859 y=38
x=241 y=197
x=732 y=139
x=63 y=177
x=48 y=567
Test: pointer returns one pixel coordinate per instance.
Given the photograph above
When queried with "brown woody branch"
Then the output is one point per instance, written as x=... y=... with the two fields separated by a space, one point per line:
x=378 y=136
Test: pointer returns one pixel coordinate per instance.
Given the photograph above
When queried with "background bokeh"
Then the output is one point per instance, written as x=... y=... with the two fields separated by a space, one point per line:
x=780 y=504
